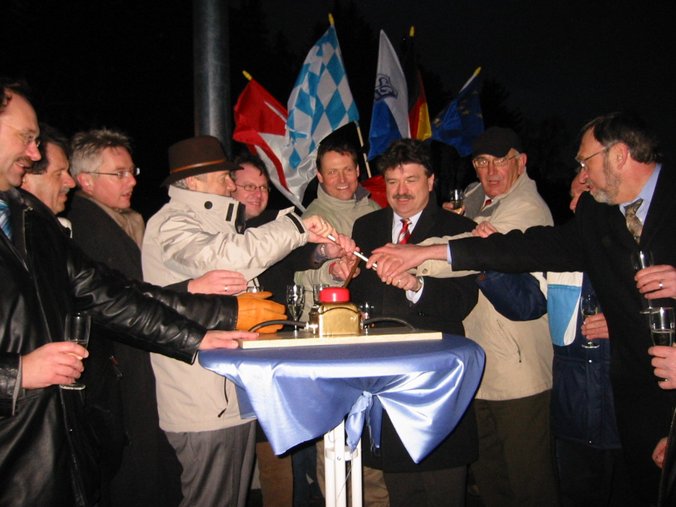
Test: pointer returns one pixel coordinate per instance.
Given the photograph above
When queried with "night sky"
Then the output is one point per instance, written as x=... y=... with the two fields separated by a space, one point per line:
x=128 y=64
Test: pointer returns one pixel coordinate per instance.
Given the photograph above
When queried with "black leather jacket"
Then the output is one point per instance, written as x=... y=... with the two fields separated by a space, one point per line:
x=46 y=456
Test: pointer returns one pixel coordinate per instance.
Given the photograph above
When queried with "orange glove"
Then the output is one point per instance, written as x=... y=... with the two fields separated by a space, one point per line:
x=254 y=308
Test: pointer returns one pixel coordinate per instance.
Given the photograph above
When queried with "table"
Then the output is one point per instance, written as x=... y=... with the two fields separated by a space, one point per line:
x=301 y=393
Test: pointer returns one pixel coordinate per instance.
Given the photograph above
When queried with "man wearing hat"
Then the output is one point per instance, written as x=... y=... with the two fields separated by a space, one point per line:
x=199 y=229
x=512 y=405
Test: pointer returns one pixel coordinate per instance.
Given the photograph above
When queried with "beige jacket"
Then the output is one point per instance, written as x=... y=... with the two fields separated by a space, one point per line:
x=518 y=354
x=194 y=233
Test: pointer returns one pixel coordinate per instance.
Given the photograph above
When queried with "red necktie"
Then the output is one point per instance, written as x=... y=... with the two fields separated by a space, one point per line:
x=487 y=202
x=405 y=233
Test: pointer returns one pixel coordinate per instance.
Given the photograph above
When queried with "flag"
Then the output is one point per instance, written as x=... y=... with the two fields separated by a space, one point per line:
x=461 y=121
x=260 y=123
x=389 y=118
x=320 y=102
x=418 y=114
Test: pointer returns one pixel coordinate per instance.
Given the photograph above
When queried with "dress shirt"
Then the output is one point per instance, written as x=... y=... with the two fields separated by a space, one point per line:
x=397 y=225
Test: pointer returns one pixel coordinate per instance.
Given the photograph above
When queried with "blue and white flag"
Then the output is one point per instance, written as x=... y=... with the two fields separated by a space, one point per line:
x=389 y=119
x=320 y=102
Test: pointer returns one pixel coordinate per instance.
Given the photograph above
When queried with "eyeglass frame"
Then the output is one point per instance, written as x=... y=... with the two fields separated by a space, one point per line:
x=252 y=188
x=121 y=175
x=27 y=139
x=497 y=162
x=582 y=164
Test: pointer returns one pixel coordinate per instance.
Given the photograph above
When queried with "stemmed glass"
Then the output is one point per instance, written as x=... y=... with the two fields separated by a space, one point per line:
x=662 y=326
x=456 y=198
x=589 y=306
x=642 y=259
x=76 y=329
x=295 y=301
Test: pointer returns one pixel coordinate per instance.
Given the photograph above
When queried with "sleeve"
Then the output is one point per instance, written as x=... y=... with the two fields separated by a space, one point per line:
x=517 y=296
x=189 y=249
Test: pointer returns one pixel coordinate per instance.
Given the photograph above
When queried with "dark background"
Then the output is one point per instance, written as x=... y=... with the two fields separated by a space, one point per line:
x=548 y=67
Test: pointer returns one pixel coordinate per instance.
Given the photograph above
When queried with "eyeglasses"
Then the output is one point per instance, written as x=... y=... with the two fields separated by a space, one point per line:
x=483 y=162
x=582 y=164
x=121 y=175
x=26 y=138
x=250 y=187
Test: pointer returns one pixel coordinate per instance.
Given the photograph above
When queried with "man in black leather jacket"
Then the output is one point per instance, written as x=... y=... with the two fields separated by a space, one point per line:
x=46 y=454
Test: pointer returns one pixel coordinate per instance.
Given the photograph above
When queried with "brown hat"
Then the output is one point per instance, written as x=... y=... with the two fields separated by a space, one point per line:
x=496 y=141
x=196 y=155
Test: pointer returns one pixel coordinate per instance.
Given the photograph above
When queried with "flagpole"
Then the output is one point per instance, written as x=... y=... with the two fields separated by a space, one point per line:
x=476 y=73
x=363 y=153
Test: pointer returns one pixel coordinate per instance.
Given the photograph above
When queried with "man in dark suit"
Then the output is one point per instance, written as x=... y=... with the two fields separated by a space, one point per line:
x=428 y=303
x=621 y=158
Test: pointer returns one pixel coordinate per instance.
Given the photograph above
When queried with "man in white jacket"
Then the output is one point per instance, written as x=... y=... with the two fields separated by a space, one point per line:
x=200 y=229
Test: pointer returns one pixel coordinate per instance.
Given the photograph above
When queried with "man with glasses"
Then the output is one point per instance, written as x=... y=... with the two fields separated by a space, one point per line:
x=622 y=159
x=512 y=405
x=140 y=467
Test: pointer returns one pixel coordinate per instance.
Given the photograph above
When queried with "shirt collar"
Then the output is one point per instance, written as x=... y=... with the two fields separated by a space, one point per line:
x=646 y=194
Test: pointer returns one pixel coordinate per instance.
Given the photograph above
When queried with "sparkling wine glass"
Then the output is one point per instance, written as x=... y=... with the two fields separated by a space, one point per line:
x=76 y=329
x=589 y=306
x=642 y=259
x=295 y=301
x=456 y=198
x=662 y=326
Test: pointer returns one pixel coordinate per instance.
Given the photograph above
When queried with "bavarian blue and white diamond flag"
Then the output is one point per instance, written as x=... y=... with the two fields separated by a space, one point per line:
x=389 y=117
x=320 y=102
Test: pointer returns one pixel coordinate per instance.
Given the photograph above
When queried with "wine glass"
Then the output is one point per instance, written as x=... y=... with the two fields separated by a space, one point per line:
x=642 y=259
x=662 y=326
x=456 y=198
x=295 y=301
x=76 y=329
x=589 y=306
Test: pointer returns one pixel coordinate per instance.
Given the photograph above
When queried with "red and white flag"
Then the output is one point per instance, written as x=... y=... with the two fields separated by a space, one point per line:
x=260 y=123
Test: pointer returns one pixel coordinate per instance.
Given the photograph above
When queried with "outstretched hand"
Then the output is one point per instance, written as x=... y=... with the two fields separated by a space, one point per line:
x=218 y=281
x=318 y=229
x=225 y=339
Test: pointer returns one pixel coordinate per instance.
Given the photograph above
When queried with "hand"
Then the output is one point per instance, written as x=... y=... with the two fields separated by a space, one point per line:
x=595 y=327
x=449 y=207
x=393 y=259
x=406 y=281
x=344 y=246
x=218 y=281
x=52 y=363
x=341 y=268
x=484 y=229
x=657 y=281
x=254 y=308
x=660 y=452
x=664 y=362
x=225 y=339
x=318 y=229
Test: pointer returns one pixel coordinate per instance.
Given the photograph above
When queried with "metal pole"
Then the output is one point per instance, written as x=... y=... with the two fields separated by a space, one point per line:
x=212 y=70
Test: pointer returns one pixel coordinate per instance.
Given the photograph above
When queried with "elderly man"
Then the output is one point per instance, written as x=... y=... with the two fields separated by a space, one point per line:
x=512 y=405
x=630 y=200
x=426 y=303
x=197 y=230
x=49 y=178
x=48 y=456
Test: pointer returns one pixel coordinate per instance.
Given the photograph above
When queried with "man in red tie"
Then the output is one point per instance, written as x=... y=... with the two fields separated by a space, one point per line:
x=440 y=304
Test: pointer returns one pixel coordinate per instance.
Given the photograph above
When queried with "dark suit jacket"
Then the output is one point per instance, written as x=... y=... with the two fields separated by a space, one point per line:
x=597 y=241
x=124 y=393
x=443 y=306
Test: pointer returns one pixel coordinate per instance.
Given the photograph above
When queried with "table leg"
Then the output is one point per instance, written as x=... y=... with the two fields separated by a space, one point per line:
x=336 y=454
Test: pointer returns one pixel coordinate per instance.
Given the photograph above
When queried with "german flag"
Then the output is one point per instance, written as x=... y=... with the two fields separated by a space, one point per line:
x=418 y=114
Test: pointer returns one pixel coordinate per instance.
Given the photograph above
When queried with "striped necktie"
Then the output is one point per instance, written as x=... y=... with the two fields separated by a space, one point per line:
x=405 y=233
x=4 y=219
x=633 y=222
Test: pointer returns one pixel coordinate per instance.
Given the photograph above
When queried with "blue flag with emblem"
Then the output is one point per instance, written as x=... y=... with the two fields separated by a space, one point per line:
x=461 y=122
x=320 y=102
x=389 y=117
